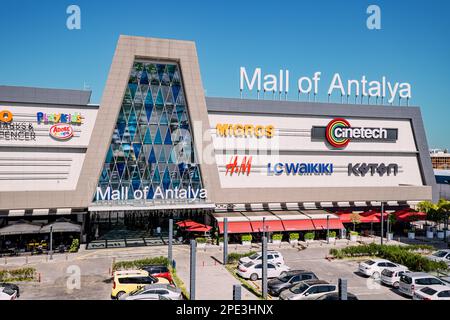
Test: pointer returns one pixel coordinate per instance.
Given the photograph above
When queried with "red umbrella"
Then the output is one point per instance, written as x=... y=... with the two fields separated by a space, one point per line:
x=407 y=216
x=187 y=224
x=199 y=228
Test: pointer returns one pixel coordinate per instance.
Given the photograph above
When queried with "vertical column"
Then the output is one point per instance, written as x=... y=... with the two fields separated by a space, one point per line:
x=225 y=241
x=342 y=287
x=264 y=267
x=237 y=293
x=192 y=270
x=169 y=253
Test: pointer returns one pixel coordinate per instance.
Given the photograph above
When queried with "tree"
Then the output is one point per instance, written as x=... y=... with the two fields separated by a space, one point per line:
x=355 y=218
x=436 y=212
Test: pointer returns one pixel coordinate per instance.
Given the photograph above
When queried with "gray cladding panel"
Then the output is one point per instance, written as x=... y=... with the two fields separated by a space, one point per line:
x=44 y=96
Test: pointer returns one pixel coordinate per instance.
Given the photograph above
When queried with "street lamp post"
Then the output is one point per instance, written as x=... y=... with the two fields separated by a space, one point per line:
x=328 y=229
x=382 y=222
x=51 y=242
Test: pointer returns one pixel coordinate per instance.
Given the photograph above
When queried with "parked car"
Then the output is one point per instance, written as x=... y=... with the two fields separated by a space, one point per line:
x=130 y=280
x=272 y=256
x=275 y=286
x=308 y=290
x=154 y=292
x=158 y=271
x=391 y=277
x=411 y=282
x=434 y=292
x=335 y=296
x=253 y=271
x=6 y=293
x=374 y=267
x=440 y=255
x=11 y=286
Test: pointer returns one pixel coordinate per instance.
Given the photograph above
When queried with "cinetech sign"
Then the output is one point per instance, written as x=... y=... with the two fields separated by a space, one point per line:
x=338 y=133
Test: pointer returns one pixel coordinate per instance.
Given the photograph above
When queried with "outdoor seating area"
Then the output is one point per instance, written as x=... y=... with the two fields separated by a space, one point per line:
x=24 y=237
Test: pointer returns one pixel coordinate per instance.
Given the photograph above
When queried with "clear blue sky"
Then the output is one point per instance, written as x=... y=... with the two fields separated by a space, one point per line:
x=303 y=36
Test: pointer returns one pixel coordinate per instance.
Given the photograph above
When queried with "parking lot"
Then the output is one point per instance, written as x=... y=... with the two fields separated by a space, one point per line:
x=213 y=280
x=313 y=259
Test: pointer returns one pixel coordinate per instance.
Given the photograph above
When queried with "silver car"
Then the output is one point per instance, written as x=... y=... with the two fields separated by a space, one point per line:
x=308 y=290
x=441 y=255
x=154 y=292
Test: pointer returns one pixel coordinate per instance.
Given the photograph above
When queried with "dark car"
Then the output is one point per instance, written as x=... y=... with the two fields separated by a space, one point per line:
x=11 y=286
x=335 y=296
x=275 y=286
x=159 y=271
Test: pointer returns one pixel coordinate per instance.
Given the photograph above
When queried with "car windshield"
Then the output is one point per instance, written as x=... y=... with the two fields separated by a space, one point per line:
x=254 y=256
x=285 y=279
x=369 y=262
x=387 y=273
x=8 y=291
x=248 y=264
x=299 y=288
x=428 y=291
x=440 y=254
x=137 y=291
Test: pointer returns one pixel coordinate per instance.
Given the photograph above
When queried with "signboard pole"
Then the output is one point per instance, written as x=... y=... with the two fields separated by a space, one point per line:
x=225 y=241
x=192 y=270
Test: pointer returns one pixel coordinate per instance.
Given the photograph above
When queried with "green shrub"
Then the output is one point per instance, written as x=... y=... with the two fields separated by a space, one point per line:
x=246 y=237
x=75 y=245
x=405 y=255
x=354 y=233
x=277 y=237
x=22 y=274
x=332 y=234
x=294 y=236
x=200 y=240
x=220 y=239
x=136 y=264
x=234 y=257
x=310 y=236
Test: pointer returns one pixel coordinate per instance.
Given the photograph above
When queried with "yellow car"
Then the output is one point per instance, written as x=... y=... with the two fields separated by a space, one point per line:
x=130 y=280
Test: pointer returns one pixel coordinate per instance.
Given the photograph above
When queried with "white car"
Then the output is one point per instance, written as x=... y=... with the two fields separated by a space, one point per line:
x=154 y=292
x=253 y=271
x=7 y=294
x=272 y=256
x=308 y=290
x=435 y=292
x=391 y=277
x=440 y=255
x=374 y=267
x=414 y=281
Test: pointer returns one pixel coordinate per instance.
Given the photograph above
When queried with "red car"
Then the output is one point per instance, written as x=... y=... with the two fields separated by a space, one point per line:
x=159 y=271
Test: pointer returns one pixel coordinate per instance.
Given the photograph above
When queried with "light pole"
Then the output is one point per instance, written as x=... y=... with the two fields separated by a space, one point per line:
x=170 y=254
x=225 y=241
x=51 y=242
x=382 y=222
x=328 y=229
x=264 y=267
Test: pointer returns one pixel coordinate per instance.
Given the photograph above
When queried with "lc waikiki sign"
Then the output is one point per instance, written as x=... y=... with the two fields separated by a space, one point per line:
x=338 y=133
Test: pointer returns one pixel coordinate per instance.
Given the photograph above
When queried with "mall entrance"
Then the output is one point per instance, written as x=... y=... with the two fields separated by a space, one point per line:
x=132 y=228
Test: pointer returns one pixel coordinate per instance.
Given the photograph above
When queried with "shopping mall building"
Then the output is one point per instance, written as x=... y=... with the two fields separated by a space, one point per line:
x=156 y=148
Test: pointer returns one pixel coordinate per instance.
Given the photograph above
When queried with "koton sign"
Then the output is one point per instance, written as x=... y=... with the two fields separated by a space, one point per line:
x=61 y=131
x=338 y=133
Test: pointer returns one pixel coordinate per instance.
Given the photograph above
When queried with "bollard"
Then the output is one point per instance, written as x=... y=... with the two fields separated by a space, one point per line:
x=39 y=277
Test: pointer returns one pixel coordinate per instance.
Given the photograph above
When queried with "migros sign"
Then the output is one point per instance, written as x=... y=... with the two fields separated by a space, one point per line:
x=244 y=130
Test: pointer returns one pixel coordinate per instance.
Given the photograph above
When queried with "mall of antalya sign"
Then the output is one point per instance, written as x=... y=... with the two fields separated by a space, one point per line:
x=188 y=194
x=310 y=85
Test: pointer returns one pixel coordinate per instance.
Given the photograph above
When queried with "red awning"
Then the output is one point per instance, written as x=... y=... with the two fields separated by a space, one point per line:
x=271 y=226
x=347 y=218
x=321 y=224
x=237 y=227
x=298 y=225
x=410 y=216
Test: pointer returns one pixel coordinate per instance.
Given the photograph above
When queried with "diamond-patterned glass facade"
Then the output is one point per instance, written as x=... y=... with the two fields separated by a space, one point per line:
x=152 y=145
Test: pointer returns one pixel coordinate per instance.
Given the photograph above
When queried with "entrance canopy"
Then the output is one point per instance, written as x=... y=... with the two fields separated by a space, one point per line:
x=19 y=228
x=277 y=221
x=61 y=225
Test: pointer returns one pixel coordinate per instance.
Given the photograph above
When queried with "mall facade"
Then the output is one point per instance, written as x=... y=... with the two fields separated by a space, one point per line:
x=156 y=147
